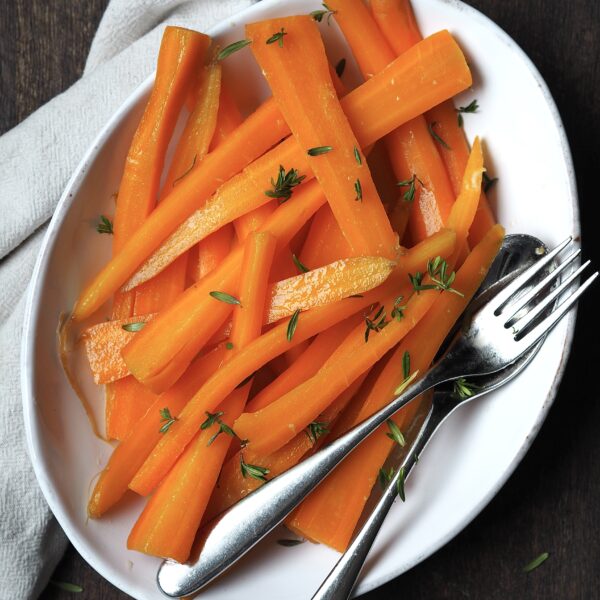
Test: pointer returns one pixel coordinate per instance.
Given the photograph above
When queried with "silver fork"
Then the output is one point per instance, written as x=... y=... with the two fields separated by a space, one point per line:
x=494 y=337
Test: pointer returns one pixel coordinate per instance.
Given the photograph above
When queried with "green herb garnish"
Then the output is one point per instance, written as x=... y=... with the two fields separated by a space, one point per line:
x=67 y=587
x=436 y=137
x=473 y=107
x=400 y=484
x=176 y=181
x=290 y=543
x=358 y=190
x=277 y=37
x=228 y=50
x=282 y=188
x=437 y=268
x=488 y=182
x=253 y=471
x=318 y=150
x=291 y=328
x=211 y=419
x=377 y=323
x=536 y=562
x=224 y=297
x=385 y=476
x=167 y=419
x=105 y=225
x=409 y=194
x=357 y=156
x=463 y=389
x=133 y=327
x=315 y=430
x=406 y=364
x=395 y=434
x=302 y=268
x=318 y=15
x=229 y=346
x=398 y=310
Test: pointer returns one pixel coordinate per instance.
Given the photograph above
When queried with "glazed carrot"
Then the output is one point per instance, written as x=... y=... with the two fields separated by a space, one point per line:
x=248 y=317
x=158 y=355
x=229 y=118
x=411 y=148
x=310 y=106
x=269 y=345
x=181 y=54
x=169 y=522
x=129 y=455
x=340 y=279
x=305 y=366
x=432 y=71
x=329 y=515
x=397 y=21
x=325 y=242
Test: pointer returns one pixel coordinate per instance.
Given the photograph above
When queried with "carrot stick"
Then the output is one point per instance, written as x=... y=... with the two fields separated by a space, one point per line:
x=329 y=515
x=129 y=455
x=432 y=71
x=269 y=345
x=411 y=148
x=310 y=106
x=169 y=522
x=305 y=366
x=397 y=21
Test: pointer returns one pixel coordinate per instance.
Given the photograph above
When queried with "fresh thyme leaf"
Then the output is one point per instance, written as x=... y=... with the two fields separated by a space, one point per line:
x=224 y=297
x=358 y=190
x=282 y=188
x=405 y=383
x=229 y=346
x=319 y=150
x=385 y=476
x=211 y=419
x=398 y=310
x=488 y=182
x=132 y=327
x=377 y=323
x=417 y=282
x=436 y=137
x=291 y=328
x=400 y=484
x=395 y=434
x=67 y=587
x=277 y=37
x=105 y=225
x=223 y=428
x=473 y=107
x=290 y=543
x=228 y=50
x=357 y=156
x=463 y=389
x=536 y=562
x=340 y=67
x=302 y=268
x=318 y=15
x=176 y=181
x=409 y=194
x=167 y=419
x=437 y=269
x=316 y=429
x=406 y=364
x=253 y=471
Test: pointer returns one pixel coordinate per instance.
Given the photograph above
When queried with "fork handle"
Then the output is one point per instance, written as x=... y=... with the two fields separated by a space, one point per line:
x=253 y=517
x=340 y=582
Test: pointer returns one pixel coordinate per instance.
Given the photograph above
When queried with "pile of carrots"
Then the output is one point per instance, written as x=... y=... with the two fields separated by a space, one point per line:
x=276 y=289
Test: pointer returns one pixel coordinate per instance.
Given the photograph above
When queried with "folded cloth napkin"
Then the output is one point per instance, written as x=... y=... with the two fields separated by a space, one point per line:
x=36 y=160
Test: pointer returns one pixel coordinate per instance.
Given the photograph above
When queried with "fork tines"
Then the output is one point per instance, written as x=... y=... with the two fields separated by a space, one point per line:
x=522 y=322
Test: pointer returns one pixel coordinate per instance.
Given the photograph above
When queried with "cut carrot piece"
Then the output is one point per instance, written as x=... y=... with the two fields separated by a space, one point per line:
x=229 y=118
x=411 y=148
x=269 y=345
x=397 y=21
x=169 y=522
x=432 y=71
x=343 y=278
x=130 y=454
x=310 y=106
x=329 y=515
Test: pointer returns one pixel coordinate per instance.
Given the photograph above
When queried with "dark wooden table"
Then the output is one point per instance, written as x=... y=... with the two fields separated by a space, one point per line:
x=551 y=502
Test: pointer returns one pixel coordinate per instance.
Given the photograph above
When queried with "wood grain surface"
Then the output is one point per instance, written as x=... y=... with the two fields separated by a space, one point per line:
x=551 y=503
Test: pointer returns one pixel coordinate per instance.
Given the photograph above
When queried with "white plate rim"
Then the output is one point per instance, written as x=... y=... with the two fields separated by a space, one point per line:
x=31 y=316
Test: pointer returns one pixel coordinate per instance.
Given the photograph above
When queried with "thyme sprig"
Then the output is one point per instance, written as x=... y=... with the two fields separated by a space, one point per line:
x=411 y=184
x=473 y=107
x=395 y=434
x=277 y=37
x=436 y=137
x=437 y=269
x=316 y=429
x=319 y=15
x=299 y=265
x=398 y=310
x=228 y=50
x=376 y=324
x=167 y=419
x=253 y=471
x=385 y=477
x=105 y=225
x=211 y=419
x=286 y=182
x=293 y=323
x=463 y=389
